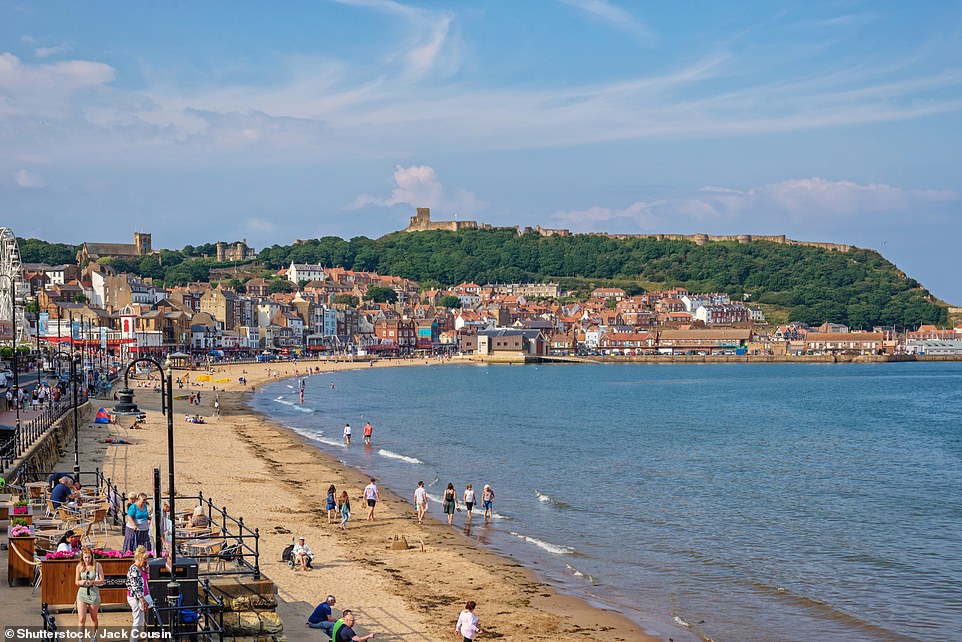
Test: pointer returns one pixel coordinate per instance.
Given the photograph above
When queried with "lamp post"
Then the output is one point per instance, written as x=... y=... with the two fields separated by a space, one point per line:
x=127 y=405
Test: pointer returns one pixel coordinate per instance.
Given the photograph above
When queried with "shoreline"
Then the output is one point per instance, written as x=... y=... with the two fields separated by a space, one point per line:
x=412 y=594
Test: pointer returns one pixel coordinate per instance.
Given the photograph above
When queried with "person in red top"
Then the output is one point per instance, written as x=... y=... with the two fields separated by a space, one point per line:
x=368 y=431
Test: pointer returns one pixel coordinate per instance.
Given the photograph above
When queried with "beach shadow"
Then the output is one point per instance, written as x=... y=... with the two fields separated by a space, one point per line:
x=387 y=626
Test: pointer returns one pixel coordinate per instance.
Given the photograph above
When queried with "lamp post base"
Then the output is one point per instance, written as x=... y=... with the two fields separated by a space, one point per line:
x=173 y=600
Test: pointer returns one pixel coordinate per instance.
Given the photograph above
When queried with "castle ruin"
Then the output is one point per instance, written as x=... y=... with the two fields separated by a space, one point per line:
x=421 y=222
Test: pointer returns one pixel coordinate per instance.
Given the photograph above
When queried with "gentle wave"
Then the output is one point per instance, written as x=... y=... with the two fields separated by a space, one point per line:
x=312 y=432
x=547 y=546
x=545 y=499
x=393 y=455
x=293 y=404
x=330 y=442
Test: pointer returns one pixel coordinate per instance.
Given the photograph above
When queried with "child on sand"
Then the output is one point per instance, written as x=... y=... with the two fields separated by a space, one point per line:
x=345 y=509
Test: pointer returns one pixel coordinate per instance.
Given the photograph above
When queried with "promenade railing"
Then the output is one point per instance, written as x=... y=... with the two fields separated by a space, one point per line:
x=239 y=553
x=29 y=432
x=201 y=621
x=240 y=545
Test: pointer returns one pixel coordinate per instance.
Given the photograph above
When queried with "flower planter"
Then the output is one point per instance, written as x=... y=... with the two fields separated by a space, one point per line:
x=18 y=569
x=58 y=585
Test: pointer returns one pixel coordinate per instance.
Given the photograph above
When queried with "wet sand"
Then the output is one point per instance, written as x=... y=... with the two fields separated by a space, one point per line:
x=277 y=481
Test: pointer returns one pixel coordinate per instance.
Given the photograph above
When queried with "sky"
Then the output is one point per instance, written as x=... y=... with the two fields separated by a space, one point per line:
x=836 y=121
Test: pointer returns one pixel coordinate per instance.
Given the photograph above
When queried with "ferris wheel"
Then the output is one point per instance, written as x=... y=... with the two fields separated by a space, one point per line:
x=11 y=276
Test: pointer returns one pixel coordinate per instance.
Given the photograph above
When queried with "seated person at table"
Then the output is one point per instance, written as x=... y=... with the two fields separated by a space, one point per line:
x=198 y=519
x=302 y=555
x=63 y=492
x=69 y=543
x=322 y=617
x=55 y=478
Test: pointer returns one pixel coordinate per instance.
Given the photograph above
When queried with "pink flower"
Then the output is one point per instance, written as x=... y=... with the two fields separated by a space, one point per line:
x=20 y=510
x=19 y=531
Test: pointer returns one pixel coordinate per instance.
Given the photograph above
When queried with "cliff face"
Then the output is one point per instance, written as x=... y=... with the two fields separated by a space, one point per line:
x=421 y=222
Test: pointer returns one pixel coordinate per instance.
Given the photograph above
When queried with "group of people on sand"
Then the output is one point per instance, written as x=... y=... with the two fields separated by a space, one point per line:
x=339 y=505
x=450 y=504
x=342 y=629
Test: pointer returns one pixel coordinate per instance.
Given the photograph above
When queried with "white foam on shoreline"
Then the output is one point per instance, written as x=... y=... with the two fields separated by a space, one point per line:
x=393 y=455
x=312 y=433
x=330 y=442
x=545 y=546
x=293 y=404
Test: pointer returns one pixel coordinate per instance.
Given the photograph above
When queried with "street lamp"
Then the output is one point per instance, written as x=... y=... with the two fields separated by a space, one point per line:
x=126 y=405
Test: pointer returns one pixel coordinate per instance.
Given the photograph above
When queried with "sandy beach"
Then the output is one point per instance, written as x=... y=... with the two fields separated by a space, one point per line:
x=277 y=481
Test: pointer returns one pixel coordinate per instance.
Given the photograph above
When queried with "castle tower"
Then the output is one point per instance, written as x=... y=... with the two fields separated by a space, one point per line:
x=142 y=243
x=220 y=251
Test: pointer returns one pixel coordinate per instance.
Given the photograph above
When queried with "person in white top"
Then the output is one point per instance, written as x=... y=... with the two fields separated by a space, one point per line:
x=302 y=555
x=371 y=495
x=467 y=625
x=421 y=501
x=347 y=434
x=469 y=500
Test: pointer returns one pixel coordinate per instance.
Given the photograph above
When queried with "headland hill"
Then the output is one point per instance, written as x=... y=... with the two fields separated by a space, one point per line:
x=445 y=286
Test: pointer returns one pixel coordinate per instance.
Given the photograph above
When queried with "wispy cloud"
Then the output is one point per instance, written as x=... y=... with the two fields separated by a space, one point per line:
x=795 y=204
x=431 y=43
x=419 y=186
x=615 y=17
x=46 y=52
x=28 y=179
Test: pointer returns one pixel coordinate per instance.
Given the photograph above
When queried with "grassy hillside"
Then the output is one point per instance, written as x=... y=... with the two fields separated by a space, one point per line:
x=860 y=287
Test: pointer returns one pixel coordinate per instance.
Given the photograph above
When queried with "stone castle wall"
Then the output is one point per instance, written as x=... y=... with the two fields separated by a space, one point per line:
x=421 y=222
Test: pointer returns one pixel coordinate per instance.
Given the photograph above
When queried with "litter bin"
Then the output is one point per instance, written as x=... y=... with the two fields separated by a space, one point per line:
x=158 y=577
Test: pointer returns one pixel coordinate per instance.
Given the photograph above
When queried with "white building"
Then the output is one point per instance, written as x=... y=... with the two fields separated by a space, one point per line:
x=305 y=272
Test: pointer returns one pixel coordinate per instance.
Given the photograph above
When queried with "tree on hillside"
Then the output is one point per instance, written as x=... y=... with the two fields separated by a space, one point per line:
x=380 y=294
x=450 y=301
x=345 y=299
x=279 y=286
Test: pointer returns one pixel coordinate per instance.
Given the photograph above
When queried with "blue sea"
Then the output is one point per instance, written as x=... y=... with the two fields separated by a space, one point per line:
x=726 y=502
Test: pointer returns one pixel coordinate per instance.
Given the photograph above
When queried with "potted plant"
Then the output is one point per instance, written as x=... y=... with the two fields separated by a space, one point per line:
x=21 y=507
x=20 y=530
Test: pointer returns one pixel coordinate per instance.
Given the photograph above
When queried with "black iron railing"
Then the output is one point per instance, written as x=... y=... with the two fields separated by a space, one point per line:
x=30 y=432
x=239 y=550
x=201 y=621
x=239 y=553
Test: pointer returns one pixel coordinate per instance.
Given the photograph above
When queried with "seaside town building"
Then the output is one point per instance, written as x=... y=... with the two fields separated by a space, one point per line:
x=309 y=307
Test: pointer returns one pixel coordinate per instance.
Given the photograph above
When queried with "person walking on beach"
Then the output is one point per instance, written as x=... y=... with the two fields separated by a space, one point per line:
x=371 y=495
x=421 y=501
x=467 y=626
x=450 y=502
x=347 y=434
x=344 y=506
x=469 y=500
x=331 y=503
x=368 y=431
x=487 y=502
